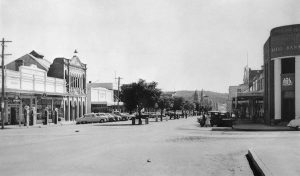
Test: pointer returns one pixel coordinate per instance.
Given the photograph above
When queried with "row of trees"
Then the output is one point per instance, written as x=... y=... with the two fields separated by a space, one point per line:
x=146 y=96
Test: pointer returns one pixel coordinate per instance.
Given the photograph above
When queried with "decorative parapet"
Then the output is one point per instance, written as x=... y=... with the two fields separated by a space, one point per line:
x=31 y=78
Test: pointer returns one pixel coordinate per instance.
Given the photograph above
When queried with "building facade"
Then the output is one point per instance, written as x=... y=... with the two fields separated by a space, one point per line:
x=282 y=74
x=73 y=71
x=102 y=97
x=29 y=91
x=246 y=99
x=232 y=94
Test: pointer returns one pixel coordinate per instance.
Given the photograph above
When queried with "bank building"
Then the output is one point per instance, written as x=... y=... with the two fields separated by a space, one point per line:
x=282 y=74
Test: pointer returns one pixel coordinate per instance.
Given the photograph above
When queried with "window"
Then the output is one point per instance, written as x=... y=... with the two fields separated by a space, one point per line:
x=288 y=65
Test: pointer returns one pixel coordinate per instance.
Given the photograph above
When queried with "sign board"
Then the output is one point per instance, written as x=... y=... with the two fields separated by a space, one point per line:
x=16 y=99
x=284 y=41
x=287 y=82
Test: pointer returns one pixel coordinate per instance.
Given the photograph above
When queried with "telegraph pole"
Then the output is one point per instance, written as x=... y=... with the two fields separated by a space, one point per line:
x=119 y=78
x=3 y=91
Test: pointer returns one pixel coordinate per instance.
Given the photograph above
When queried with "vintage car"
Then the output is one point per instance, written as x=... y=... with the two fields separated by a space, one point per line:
x=111 y=117
x=123 y=116
x=221 y=119
x=91 y=118
x=101 y=117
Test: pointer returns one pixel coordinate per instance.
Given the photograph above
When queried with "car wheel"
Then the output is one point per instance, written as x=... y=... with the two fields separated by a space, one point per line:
x=101 y=121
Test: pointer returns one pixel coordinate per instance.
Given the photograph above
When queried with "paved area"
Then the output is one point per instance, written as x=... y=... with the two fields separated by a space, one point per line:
x=175 y=147
x=278 y=160
x=260 y=127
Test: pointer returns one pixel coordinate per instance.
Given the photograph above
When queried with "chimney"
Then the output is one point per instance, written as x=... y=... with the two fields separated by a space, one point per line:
x=19 y=63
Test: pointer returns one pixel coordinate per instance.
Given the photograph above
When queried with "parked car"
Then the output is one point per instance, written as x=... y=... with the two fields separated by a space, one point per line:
x=117 y=117
x=111 y=118
x=221 y=119
x=123 y=116
x=294 y=124
x=152 y=114
x=102 y=117
x=173 y=115
x=87 y=118
x=129 y=116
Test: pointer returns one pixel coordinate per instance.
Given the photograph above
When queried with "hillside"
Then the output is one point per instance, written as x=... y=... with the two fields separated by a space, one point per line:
x=220 y=98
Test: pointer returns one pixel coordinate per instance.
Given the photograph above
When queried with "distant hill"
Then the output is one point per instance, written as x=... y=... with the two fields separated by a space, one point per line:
x=220 y=98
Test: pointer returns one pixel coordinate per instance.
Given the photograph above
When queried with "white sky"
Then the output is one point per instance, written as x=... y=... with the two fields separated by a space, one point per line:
x=181 y=44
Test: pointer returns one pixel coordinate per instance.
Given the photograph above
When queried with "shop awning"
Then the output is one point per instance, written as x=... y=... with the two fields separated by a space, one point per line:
x=246 y=95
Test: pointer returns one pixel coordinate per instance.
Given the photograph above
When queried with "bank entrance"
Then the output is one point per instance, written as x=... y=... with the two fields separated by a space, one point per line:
x=288 y=89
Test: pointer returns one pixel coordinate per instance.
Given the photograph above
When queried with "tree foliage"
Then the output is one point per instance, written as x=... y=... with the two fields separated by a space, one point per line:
x=178 y=103
x=163 y=103
x=140 y=95
x=127 y=96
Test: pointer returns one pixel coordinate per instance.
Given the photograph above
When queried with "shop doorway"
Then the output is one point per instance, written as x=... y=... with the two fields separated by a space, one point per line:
x=13 y=113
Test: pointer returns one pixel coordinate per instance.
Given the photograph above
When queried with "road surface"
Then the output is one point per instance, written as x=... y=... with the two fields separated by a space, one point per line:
x=174 y=147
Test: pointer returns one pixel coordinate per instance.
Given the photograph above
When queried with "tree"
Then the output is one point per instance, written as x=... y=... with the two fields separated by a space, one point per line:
x=196 y=96
x=177 y=104
x=164 y=102
x=140 y=95
x=127 y=96
x=188 y=106
x=197 y=107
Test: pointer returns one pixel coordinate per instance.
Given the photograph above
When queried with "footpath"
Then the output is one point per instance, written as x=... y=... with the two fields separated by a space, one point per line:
x=260 y=127
x=273 y=160
x=39 y=125
x=276 y=160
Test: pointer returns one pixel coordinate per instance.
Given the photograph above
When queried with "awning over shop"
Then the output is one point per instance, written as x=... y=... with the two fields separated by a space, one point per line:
x=246 y=95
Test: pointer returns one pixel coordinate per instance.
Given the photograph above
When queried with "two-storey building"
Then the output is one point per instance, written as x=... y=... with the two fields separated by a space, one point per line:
x=73 y=71
x=27 y=86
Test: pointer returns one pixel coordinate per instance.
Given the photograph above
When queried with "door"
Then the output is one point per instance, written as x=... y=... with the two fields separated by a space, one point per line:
x=13 y=116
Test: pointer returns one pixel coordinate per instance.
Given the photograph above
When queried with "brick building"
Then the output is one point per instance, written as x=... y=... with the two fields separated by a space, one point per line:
x=73 y=71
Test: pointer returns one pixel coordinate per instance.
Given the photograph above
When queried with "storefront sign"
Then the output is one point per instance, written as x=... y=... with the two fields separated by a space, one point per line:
x=288 y=81
x=283 y=41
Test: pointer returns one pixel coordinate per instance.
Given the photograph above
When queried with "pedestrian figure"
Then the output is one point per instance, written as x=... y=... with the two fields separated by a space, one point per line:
x=207 y=122
x=203 y=120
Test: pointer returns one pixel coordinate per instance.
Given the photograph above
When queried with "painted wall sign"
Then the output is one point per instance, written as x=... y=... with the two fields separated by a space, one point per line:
x=285 y=45
x=283 y=41
x=288 y=81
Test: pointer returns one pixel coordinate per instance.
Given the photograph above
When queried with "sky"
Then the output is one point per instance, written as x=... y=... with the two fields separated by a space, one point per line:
x=181 y=44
